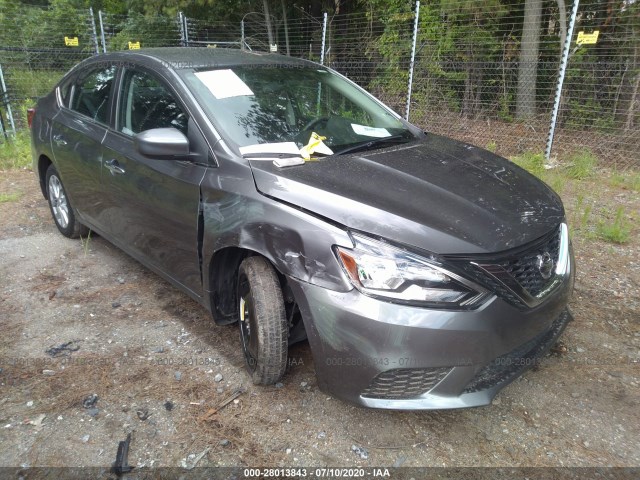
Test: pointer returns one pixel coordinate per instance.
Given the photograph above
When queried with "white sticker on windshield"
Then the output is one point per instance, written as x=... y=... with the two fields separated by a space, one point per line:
x=370 y=131
x=224 y=83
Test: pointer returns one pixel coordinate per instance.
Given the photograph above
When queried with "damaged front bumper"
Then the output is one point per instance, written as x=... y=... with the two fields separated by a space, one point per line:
x=383 y=355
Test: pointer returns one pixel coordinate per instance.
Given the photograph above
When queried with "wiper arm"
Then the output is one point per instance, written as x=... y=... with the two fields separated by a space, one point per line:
x=373 y=143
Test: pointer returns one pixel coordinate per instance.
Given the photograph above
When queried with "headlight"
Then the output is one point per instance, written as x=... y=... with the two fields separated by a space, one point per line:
x=380 y=270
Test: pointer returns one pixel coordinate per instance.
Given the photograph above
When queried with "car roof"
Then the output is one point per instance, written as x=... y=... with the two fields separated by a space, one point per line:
x=198 y=57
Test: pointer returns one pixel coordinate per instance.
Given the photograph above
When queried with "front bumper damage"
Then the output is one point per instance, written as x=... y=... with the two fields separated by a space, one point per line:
x=383 y=355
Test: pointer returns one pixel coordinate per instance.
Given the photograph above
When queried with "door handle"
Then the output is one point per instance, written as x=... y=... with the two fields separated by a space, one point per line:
x=59 y=140
x=114 y=167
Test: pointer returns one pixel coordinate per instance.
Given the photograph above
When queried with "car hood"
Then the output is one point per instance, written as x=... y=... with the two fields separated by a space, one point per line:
x=435 y=194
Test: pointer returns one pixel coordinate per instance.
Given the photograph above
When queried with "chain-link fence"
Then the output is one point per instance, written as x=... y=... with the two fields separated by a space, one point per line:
x=483 y=71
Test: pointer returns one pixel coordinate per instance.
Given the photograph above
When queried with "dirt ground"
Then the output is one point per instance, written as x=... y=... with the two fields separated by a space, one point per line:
x=152 y=356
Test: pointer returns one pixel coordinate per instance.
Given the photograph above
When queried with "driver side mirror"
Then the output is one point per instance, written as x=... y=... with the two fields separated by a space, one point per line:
x=167 y=143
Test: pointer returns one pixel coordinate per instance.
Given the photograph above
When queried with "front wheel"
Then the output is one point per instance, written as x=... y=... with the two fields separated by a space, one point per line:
x=263 y=323
x=61 y=209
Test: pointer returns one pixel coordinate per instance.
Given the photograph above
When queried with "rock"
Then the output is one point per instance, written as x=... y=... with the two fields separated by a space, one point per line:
x=580 y=350
x=360 y=451
x=49 y=373
x=120 y=280
x=288 y=451
x=90 y=401
x=303 y=384
x=30 y=403
x=220 y=390
x=178 y=375
x=218 y=377
x=85 y=438
x=116 y=304
x=168 y=405
x=158 y=350
x=322 y=435
x=224 y=442
x=143 y=413
x=279 y=385
x=93 y=411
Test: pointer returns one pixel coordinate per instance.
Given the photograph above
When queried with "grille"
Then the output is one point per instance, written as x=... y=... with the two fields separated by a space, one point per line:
x=507 y=367
x=525 y=270
x=404 y=383
x=522 y=267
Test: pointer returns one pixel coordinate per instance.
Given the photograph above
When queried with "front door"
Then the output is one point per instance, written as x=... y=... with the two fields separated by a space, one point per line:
x=153 y=204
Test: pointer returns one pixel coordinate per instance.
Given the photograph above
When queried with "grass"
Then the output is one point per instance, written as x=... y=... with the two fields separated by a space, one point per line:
x=581 y=164
x=10 y=197
x=626 y=180
x=531 y=162
x=16 y=152
x=616 y=232
x=85 y=243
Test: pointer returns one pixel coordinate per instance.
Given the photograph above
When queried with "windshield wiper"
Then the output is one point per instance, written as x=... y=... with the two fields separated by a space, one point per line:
x=373 y=143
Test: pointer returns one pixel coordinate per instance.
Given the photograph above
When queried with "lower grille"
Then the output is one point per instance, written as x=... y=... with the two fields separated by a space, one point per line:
x=508 y=366
x=404 y=383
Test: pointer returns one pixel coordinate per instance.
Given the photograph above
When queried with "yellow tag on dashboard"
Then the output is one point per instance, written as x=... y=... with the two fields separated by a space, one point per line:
x=588 y=38
x=315 y=144
x=134 y=45
x=71 y=41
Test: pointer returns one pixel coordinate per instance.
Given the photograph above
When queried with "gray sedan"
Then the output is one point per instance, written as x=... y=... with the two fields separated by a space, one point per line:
x=424 y=273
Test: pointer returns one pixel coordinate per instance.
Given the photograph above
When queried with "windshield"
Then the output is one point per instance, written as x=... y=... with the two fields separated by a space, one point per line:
x=265 y=105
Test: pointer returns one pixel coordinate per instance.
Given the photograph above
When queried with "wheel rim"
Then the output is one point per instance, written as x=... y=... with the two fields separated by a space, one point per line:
x=58 y=200
x=248 y=332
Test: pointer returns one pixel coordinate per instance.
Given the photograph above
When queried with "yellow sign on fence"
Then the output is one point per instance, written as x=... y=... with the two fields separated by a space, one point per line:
x=588 y=38
x=71 y=41
x=134 y=45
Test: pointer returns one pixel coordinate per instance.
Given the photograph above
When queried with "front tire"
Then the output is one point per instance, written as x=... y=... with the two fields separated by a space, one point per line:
x=263 y=323
x=61 y=210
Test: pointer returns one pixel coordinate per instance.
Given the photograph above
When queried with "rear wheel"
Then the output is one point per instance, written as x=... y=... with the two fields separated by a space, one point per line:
x=263 y=324
x=61 y=209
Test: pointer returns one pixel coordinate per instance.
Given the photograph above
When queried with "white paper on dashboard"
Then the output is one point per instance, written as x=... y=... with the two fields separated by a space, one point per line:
x=224 y=83
x=276 y=148
x=370 y=131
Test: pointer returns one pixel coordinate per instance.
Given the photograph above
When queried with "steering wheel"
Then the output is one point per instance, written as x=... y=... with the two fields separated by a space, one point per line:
x=314 y=122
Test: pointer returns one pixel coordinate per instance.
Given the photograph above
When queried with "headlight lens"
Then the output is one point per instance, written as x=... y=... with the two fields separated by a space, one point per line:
x=381 y=270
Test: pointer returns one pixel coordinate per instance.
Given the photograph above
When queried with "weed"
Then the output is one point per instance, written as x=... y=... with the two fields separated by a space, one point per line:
x=581 y=164
x=16 y=152
x=532 y=162
x=85 y=243
x=492 y=146
x=10 y=197
x=616 y=232
x=555 y=180
x=627 y=181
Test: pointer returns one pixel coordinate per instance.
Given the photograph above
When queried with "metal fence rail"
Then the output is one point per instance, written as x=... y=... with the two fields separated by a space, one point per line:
x=474 y=70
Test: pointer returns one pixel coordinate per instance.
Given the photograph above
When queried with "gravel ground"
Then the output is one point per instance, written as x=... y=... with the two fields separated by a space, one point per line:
x=158 y=366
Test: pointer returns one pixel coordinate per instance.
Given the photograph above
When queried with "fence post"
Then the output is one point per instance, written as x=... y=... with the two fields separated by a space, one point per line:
x=94 y=34
x=183 y=40
x=324 y=37
x=563 y=68
x=104 y=42
x=5 y=100
x=413 y=59
x=242 y=45
x=186 y=30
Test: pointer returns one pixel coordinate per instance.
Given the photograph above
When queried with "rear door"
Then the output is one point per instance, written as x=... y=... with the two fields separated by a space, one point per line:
x=152 y=205
x=77 y=133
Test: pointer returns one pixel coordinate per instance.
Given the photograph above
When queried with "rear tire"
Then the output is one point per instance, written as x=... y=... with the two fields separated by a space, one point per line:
x=263 y=324
x=61 y=210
